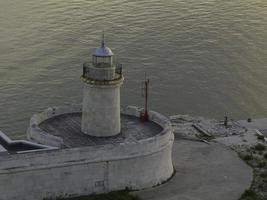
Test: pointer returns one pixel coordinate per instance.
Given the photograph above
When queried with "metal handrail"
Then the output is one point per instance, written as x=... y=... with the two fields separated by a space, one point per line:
x=118 y=69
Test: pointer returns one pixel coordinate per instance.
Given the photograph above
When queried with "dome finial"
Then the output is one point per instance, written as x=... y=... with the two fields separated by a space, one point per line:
x=103 y=39
x=103 y=51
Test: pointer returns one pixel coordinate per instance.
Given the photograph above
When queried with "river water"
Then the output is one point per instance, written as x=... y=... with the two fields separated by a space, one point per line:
x=203 y=57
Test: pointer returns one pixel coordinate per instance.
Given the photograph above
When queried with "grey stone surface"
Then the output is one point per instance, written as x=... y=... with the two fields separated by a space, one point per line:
x=259 y=124
x=68 y=127
x=203 y=172
x=3 y=151
x=36 y=134
x=86 y=170
x=141 y=160
x=8 y=146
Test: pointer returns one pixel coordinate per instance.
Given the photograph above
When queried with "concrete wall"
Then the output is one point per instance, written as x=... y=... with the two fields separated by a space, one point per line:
x=81 y=171
x=87 y=170
x=101 y=110
x=20 y=146
x=3 y=151
x=35 y=134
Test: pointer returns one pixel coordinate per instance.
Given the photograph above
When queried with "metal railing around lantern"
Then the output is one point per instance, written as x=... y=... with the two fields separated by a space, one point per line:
x=87 y=78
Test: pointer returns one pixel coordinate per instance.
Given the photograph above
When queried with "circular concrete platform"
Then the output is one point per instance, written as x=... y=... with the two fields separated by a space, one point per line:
x=203 y=172
x=68 y=127
x=140 y=157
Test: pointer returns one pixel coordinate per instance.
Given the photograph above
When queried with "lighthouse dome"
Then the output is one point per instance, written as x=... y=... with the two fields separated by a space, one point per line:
x=103 y=52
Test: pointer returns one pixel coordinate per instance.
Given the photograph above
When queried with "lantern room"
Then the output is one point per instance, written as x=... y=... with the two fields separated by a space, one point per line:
x=103 y=56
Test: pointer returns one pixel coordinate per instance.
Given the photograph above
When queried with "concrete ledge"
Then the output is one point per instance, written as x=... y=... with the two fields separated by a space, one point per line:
x=90 y=169
x=3 y=151
x=11 y=144
x=85 y=170
x=36 y=134
x=107 y=151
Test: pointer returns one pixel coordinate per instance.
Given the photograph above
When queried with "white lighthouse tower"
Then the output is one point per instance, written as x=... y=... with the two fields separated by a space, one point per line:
x=101 y=94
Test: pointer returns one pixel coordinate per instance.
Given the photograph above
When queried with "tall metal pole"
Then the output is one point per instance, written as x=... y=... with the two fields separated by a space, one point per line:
x=145 y=116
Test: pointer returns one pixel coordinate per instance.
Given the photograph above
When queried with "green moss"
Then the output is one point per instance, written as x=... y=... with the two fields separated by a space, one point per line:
x=260 y=147
x=118 y=195
x=251 y=195
x=247 y=157
x=259 y=171
x=263 y=175
x=261 y=164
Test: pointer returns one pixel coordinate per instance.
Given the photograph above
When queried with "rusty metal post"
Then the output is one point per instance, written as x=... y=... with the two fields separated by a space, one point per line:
x=144 y=116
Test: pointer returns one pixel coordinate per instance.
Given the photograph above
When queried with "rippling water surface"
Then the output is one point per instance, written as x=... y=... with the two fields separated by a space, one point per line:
x=204 y=57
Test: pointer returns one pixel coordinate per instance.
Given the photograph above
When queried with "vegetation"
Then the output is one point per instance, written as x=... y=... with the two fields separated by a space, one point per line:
x=118 y=195
x=247 y=157
x=263 y=175
x=256 y=157
x=251 y=195
x=260 y=147
x=261 y=164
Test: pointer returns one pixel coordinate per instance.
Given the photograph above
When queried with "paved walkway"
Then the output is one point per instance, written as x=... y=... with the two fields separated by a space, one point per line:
x=203 y=172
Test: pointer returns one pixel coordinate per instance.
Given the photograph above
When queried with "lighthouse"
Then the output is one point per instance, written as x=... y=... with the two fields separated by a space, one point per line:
x=101 y=94
x=111 y=149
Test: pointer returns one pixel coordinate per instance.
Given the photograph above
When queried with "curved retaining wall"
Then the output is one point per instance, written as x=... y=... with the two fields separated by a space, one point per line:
x=34 y=133
x=87 y=170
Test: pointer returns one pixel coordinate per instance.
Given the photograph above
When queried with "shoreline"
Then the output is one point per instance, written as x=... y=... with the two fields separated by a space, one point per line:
x=246 y=137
